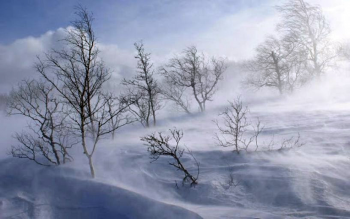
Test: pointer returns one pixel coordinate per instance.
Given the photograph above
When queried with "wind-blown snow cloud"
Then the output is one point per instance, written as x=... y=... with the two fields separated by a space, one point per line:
x=17 y=59
x=166 y=28
x=230 y=29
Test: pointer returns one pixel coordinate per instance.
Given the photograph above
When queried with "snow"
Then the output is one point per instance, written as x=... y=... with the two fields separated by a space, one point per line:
x=32 y=192
x=307 y=182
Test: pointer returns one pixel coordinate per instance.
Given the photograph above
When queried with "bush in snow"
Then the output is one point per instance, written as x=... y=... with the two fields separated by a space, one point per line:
x=232 y=133
x=234 y=128
x=159 y=145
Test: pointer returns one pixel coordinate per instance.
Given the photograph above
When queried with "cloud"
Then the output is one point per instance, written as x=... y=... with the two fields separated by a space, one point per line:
x=236 y=36
x=17 y=59
x=121 y=63
x=337 y=13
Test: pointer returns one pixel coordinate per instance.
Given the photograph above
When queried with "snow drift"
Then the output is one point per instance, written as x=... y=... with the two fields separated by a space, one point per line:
x=307 y=182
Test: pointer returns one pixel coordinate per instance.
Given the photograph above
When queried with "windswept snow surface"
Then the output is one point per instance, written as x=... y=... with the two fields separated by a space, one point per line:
x=312 y=181
x=29 y=192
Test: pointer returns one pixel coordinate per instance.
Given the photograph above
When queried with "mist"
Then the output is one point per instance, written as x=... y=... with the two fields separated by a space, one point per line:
x=186 y=109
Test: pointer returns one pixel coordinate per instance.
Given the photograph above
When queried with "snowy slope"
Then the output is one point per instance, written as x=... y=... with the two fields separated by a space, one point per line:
x=307 y=182
x=31 y=192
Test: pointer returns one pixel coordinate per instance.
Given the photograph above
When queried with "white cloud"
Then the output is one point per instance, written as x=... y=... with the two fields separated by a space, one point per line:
x=337 y=13
x=237 y=35
x=18 y=58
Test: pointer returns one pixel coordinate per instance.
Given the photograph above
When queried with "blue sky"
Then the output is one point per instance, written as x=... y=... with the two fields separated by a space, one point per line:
x=118 y=21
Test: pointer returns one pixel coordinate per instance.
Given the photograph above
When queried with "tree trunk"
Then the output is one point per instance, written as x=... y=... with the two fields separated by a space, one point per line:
x=196 y=97
x=277 y=69
x=280 y=90
x=83 y=142
x=151 y=99
x=92 y=170
x=148 y=114
x=154 y=117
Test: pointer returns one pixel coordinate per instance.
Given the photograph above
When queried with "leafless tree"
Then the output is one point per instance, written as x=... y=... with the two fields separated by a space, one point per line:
x=192 y=71
x=48 y=138
x=235 y=125
x=292 y=142
x=78 y=75
x=258 y=128
x=284 y=143
x=278 y=64
x=306 y=25
x=159 y=145
x=143 y=88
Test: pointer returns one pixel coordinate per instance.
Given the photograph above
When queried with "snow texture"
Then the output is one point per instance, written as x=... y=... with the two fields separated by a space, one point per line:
x=307 y=182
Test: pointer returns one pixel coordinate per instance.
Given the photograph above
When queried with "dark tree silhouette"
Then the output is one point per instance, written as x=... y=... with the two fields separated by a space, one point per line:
x=159 y=145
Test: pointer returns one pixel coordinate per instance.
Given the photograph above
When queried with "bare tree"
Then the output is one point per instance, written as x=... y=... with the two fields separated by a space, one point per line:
x=278 y=64
x=143 y=88
x=306 y=25
x=192 y=71
x=292 y=142
x=159 y=145
x=258 y=128
x=235 y=125
x=78 y=75
x=48 y=138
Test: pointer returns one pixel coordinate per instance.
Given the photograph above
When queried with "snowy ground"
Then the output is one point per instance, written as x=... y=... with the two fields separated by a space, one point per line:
x=307 y=182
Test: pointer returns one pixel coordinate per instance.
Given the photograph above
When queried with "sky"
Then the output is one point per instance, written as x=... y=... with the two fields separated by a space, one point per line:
x=226 y=28
x=117 y=20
